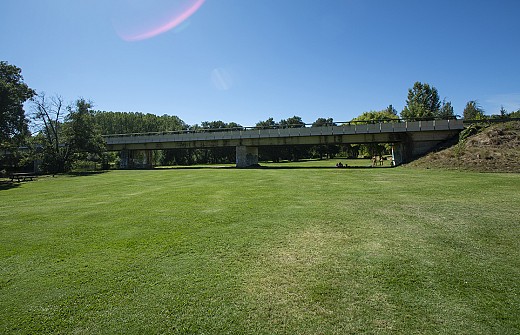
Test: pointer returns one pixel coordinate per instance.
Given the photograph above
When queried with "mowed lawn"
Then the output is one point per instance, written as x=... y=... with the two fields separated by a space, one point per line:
x=262 y=251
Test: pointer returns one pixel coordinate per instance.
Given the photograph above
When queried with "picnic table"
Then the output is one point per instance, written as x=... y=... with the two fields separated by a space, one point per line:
x=22 y=176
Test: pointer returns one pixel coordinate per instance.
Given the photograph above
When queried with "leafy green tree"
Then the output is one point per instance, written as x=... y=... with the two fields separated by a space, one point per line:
x=391 y=110
x=323 y=122
x=66 y=137
x=127 y=122
x=82 y=133
x=423 y=102
x=269 y=123
x=220 y=125
x=473 y=111
x=214 y=125
x=385 y=115
x=292 y=122
x=13 y=94
x=446 y=111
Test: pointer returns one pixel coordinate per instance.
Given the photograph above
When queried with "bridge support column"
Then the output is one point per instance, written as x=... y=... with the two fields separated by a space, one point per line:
x=397 y=154
x=135 y=159
x=246 y=156
x=124 y=159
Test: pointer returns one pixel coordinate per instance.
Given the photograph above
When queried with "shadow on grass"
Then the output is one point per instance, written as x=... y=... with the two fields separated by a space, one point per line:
x=85 y=173
x=7 y=185
x=264 y=167
x=323 y=167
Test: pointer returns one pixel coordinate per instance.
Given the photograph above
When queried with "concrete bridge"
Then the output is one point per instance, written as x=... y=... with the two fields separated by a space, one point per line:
x=409 y=138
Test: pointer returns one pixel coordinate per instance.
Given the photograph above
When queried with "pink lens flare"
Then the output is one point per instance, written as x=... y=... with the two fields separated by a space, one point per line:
x=184 y=10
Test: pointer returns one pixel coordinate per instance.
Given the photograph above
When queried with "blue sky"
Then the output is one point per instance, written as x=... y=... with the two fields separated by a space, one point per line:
x=248 y=60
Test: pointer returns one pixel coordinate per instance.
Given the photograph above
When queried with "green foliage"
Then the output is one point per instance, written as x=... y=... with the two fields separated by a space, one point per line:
x=323 y=122
x=446 y=111
x=219 y=125
x=126 y=122
x=504 y=115
x=66 y=138
x=386 y=115
x=473 y=111
x=267 y=251
x=515 y=115
x=13 y=94
x=292 y=122
x=423 y=102
x=267 y=123
x=82 y=133
x=503 y=112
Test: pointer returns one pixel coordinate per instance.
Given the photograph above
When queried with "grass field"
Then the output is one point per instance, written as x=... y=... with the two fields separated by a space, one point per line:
x=302 y=250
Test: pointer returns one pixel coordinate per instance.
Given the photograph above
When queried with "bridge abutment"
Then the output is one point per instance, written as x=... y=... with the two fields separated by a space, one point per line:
x=246 y=156
x=417 y=144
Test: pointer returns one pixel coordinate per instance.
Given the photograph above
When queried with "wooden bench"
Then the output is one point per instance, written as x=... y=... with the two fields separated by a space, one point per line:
x=22 y=177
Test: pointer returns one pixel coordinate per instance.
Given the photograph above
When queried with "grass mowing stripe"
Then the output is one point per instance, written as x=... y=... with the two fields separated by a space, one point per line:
x=269 y=251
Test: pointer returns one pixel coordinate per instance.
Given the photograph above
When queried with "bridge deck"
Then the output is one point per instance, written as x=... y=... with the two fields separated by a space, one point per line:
x=118 y=141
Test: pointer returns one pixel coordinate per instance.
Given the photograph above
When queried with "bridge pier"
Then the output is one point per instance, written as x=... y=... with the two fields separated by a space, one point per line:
x=398 y=154
x=246 y=156
x=135 y=159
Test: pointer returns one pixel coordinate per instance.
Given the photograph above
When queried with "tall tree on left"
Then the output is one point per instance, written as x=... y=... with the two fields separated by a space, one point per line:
x=13 y=94
x=49 y=119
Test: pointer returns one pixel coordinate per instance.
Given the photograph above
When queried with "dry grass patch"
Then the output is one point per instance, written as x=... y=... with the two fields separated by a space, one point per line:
x=494 y=149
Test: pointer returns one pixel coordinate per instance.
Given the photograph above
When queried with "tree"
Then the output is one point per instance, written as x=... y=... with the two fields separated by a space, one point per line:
x=385 y=115
x=82 y=134
x=473 y=111
x=126 y=122
x=292 y=122
x=66 y=138
x=503 y=112
x=269 y=123
x=13 y=94
x=49 y=118
x=446 y=110
x=214 y=125
x=391 y=110
x=322 y=122
x=423 y=102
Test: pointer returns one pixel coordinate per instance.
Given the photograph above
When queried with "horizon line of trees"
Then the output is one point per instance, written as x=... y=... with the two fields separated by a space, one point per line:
x=66 y=136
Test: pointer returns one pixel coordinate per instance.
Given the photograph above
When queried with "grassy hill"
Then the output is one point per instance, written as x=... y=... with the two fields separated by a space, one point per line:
x=482 y=149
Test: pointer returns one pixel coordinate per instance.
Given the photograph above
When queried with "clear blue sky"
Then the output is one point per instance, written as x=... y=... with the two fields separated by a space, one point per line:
x=248 y=60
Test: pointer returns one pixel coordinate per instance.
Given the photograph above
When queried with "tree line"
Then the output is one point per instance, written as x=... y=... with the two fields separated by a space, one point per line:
x=62 y=137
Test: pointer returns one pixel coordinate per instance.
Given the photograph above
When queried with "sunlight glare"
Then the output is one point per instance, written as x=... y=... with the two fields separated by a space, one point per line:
x=136 y=21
